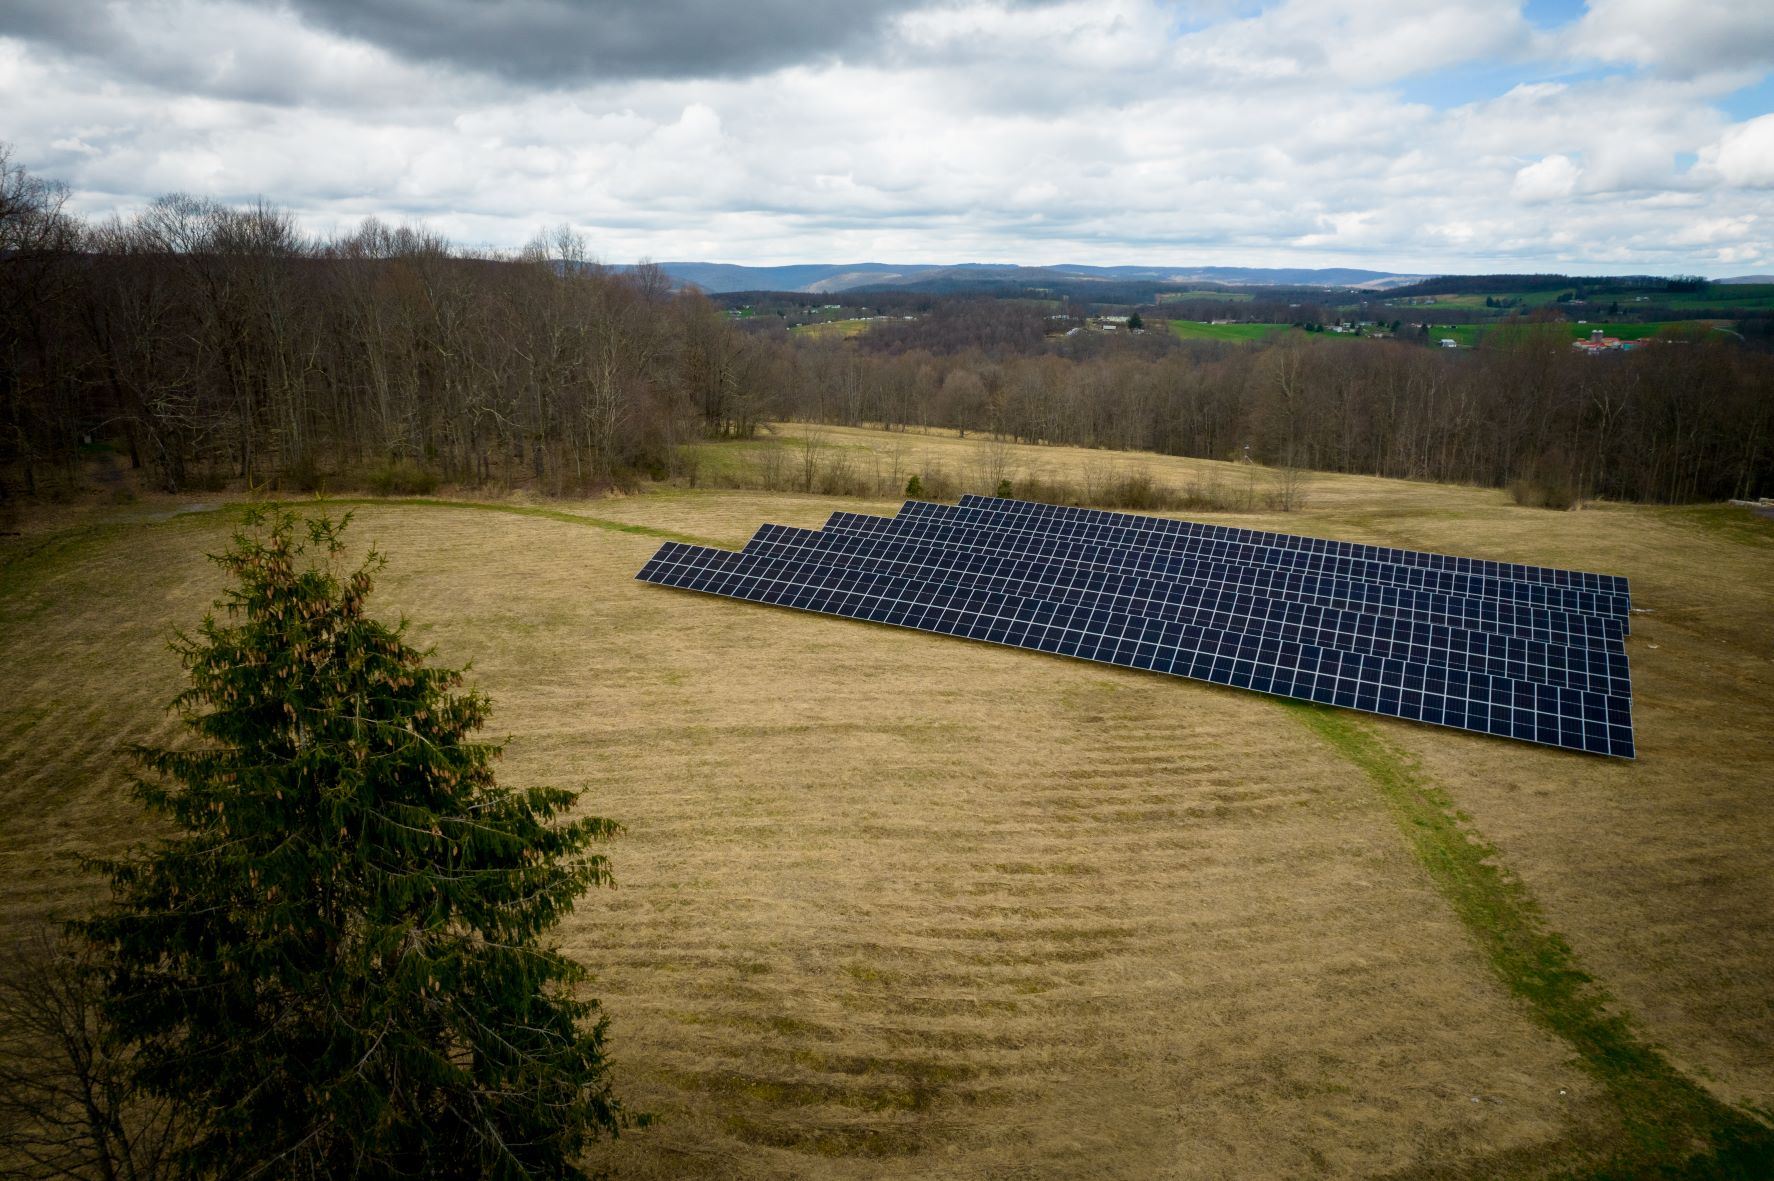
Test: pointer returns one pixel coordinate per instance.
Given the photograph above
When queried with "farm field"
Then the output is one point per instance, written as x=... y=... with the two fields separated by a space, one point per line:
x=834 y=328
x=1223 y=296
x=1197 y=330
x=1719 y=295
x=893 y=905
x=1469 y=335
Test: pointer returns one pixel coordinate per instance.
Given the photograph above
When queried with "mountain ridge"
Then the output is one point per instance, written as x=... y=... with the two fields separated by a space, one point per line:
x=818 y=278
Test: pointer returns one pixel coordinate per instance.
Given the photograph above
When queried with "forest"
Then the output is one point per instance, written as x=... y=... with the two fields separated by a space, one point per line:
x=206 y=345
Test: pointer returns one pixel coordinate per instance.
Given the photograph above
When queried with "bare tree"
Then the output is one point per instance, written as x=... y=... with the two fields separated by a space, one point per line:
x=67 y=1109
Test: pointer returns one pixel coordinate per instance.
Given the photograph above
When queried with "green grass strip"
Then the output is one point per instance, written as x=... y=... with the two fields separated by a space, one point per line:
x=1672 y=1126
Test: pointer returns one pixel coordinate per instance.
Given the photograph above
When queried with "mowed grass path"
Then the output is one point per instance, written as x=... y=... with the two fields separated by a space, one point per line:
x=896 y=905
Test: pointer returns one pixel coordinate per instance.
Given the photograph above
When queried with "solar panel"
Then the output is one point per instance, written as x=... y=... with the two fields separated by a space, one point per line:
x=1594 y=669
x=1427 y=606
x=1605 y=583
x=1509 y=581
x=1445 y=581
x=1095 y=629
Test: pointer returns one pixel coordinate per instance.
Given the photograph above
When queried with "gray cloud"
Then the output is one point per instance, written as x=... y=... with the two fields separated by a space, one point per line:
x=541 y=43
x=589 y=41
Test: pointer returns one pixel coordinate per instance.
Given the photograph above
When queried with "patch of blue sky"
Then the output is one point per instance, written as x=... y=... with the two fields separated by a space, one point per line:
x=1474 y=82
x=1751 y=101
x=1192 y=16
x=1549 y=14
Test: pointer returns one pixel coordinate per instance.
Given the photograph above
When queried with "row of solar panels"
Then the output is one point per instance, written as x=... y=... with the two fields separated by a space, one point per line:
x=1536 y=657
x=1514 y=571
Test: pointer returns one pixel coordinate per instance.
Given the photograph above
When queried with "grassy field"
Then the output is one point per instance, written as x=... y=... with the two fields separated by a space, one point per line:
x=1738 y=295
x=1196 y=330
x=1221 y=296
x=796 y=457
x=893 y=905
x=1469 y=335
x=1524 y=299
x=1724 y=295
x=834 y=328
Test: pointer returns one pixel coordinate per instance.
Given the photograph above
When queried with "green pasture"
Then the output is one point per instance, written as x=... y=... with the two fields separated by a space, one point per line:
x=1197 y=330
x=1469 y=335
x=1745 y=295
x=1736 y=295
x=1222 y=296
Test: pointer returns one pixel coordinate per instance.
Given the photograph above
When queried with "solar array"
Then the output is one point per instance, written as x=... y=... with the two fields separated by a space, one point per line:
x=1527 y=652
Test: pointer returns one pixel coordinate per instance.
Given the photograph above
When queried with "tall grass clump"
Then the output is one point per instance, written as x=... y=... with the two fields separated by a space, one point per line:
x=401 y=477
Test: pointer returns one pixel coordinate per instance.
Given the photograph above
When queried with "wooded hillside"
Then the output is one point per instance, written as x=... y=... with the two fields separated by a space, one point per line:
x=212 y=344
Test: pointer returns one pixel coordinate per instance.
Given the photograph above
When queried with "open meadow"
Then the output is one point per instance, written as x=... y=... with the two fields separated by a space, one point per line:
x=895 y=905
x=1197 y=330
x=1471 y=335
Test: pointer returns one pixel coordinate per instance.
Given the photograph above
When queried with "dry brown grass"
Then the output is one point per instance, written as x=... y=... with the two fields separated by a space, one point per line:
x=896 y=905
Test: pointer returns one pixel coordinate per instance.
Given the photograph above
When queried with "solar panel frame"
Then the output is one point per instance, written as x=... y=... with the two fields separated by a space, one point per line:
x=1480 y=652
x=1514 y=571
x=1545 y=714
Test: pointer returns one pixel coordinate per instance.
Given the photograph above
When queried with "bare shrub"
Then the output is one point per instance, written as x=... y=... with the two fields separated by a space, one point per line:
x=841 y=477
x=67 y=1108
x=1290 y=489
x=1537 y=492
x=1547 y=482
x=1136 y=490
x=401 y=477
x=811 y=445
x=303 y=474
x=773 y=469
x=939 y=483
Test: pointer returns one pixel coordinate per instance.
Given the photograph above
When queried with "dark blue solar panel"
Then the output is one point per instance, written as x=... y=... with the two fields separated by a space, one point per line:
x=1425 y=606
x=1596 y=669
x=1555 y=715
x=1420 y=578
x=1512 y=571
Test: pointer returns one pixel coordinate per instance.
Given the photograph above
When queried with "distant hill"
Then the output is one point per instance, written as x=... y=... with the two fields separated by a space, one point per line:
x=1757 y=279
x=715 y=277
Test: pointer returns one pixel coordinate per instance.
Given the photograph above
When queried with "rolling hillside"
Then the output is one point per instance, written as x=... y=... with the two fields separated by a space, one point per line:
x=892 y=905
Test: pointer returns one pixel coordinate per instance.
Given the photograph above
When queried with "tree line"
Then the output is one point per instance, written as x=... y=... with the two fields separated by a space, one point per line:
x=209 y=344
x=1679 y=420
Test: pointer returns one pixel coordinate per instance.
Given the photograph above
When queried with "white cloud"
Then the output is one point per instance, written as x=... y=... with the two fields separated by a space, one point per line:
x=1072 y=131
x=1546 y=180
x=1679 y=39
x=1744 y=155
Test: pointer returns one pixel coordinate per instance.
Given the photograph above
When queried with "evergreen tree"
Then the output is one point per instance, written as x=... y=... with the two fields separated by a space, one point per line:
x=335 y=961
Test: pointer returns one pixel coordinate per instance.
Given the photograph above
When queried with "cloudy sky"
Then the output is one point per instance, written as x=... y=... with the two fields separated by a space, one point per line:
x=1433 y=135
